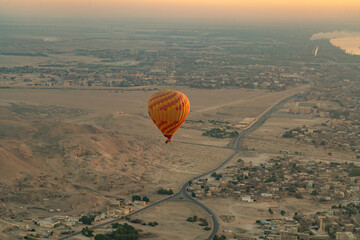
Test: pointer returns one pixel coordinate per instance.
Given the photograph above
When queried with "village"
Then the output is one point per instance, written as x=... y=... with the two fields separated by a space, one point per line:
x=333 y=134
x=62 y=225
x=287 y=177
x=156 y=72
x=336 y=102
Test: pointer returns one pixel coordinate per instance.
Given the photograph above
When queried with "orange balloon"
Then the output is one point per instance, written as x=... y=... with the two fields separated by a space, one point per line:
x=168 y=109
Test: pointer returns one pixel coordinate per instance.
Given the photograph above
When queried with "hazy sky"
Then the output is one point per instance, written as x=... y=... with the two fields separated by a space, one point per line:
x=233 y=10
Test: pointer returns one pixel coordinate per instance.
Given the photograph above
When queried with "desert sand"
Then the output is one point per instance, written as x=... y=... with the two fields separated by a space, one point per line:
x=77 y=149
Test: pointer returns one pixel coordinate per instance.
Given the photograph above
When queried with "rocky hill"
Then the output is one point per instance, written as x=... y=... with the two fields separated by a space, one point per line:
x=49 y=159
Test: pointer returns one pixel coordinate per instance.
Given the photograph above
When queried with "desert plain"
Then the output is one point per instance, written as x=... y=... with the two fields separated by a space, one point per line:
x=76 y=150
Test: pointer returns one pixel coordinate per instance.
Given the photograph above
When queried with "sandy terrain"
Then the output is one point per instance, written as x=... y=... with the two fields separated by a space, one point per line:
x=244 y=215
x=15 y=61
x=171 y=217
x=77 y=149
x=222 y=104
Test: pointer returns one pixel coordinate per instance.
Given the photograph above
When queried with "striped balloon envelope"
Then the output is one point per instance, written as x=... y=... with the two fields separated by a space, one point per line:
x=168 y=109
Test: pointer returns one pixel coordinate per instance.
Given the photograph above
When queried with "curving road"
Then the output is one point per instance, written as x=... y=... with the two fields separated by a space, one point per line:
x=234 y=144
x=183 y=194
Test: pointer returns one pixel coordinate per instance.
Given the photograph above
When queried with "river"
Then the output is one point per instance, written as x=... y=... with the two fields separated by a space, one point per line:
x=351 y=45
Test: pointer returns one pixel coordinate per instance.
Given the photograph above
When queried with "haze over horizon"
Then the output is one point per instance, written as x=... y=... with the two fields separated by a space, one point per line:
x=258 y=11
x=179 y=119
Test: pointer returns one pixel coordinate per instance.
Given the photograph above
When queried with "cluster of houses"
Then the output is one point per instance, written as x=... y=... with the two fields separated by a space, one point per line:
x=161 y=72
x=340 y=93
x=43 y=227
x=342 y=222
x=279 y=229
x=254 y=76
x=288 y=177
x=313 y=228
x=280 y=177
x=332 y=134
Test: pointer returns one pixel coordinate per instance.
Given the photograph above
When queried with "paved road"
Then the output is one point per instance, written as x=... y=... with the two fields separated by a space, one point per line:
x=235 y=144
x=183 y=194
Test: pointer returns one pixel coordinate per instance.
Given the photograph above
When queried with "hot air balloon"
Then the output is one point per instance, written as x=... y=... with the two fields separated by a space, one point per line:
x=168 y=109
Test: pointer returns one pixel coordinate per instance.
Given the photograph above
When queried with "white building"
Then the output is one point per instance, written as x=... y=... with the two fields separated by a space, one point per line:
x=247 y=198
x=48 y=222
